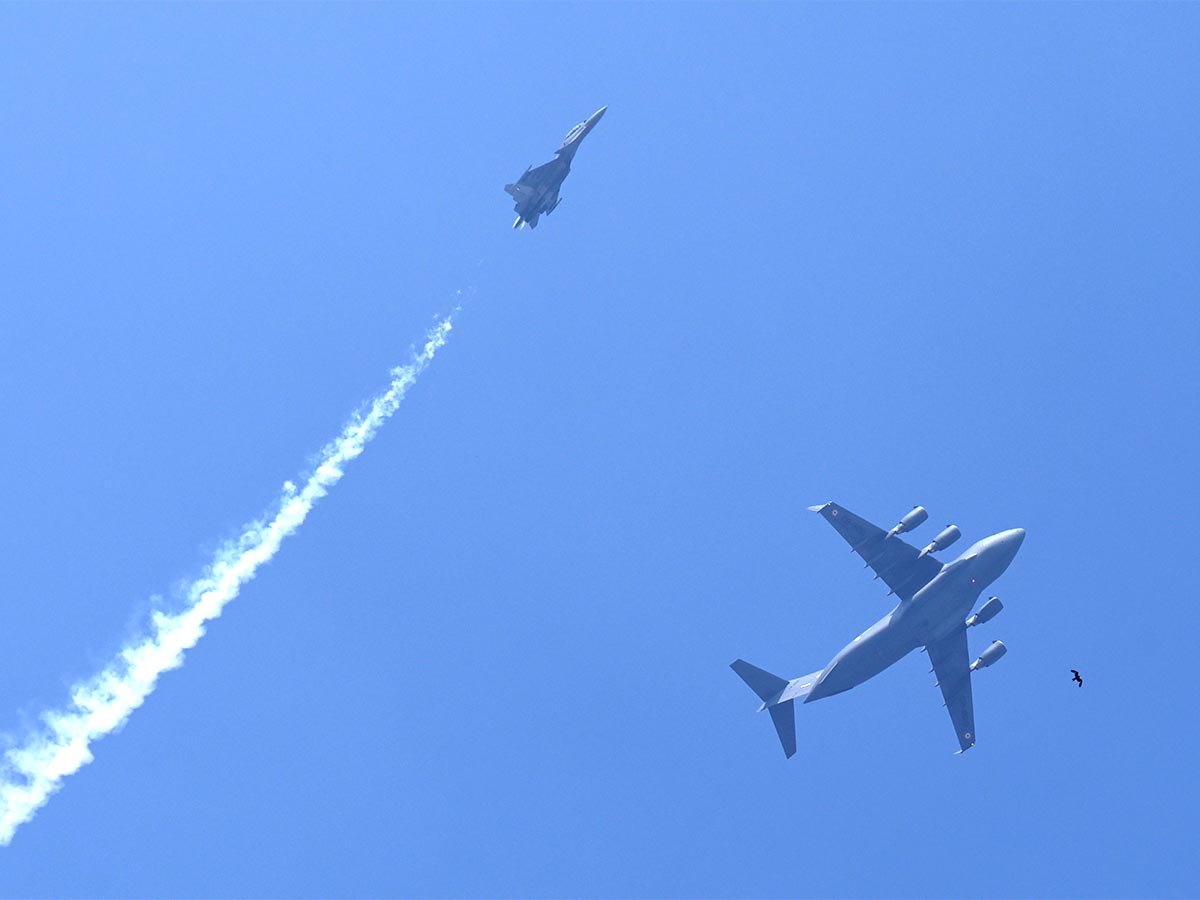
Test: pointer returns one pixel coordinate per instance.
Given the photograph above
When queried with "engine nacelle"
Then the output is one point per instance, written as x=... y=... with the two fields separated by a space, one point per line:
x=986 y=613
x=989 y=656
x=910 y=521
x=945 y=538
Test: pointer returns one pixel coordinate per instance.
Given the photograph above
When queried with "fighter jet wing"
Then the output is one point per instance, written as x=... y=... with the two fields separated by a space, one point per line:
x=953 y=669
x=894 y=560
x=540 y=175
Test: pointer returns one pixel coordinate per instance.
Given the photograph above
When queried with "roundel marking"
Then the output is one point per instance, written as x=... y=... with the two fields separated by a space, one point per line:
x=967 y=735
x=833 y=512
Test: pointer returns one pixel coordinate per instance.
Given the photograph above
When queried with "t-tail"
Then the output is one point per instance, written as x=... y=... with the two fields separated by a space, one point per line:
x=778 y=695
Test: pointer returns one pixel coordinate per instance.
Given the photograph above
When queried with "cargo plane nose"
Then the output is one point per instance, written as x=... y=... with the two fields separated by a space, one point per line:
x=1007 y=544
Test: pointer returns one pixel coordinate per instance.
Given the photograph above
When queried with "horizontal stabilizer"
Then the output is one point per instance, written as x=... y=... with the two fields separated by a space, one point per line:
x=778 y=695
x=521 y=192
x=784 y=717
x=763 y=683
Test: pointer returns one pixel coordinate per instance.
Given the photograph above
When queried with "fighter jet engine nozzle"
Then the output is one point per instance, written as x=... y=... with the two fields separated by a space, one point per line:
x=910 y=521
x=945 y=538
x=986 y=613
x=989 y=656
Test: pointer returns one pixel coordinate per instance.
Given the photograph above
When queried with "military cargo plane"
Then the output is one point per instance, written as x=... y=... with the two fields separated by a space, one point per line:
x=935 y=600
x=536 y=191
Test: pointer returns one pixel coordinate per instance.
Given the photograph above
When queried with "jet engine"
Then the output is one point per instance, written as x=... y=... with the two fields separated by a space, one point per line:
x=945 y=538
x=986 y=612
x=910 y=521
x=989 y=656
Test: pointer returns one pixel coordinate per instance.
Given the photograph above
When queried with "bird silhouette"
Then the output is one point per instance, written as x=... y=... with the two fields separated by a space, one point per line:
x=1077 y=678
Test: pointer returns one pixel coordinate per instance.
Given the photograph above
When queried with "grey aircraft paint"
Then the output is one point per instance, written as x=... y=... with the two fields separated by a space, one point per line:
x=536 y=191
x=935 y=600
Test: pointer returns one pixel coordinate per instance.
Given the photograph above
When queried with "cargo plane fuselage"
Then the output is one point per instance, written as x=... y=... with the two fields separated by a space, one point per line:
x=933 y=612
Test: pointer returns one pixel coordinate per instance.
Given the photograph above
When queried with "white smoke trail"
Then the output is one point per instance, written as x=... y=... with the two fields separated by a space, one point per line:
x=100 y=705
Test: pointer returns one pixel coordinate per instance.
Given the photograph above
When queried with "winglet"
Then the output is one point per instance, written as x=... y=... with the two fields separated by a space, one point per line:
x=818 y=507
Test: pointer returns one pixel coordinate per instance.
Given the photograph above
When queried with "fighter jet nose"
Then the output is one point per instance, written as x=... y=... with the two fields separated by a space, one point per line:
x=598 y=113
x=1018 y=535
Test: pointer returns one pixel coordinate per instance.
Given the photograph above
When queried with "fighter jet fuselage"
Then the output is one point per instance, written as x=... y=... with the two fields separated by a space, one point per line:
x=536 y=191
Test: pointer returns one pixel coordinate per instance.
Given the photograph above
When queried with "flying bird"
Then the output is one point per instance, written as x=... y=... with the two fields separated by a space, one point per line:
x=1077 y=678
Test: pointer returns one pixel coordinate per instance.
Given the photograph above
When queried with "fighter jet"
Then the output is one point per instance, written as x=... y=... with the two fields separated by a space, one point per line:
x=536 y=191
x=935 y=599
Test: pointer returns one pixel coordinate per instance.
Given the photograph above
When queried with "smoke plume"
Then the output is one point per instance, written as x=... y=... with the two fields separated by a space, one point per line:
x=35 y=769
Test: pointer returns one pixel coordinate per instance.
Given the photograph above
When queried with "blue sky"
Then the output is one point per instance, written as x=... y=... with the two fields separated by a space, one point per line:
x=936 y=254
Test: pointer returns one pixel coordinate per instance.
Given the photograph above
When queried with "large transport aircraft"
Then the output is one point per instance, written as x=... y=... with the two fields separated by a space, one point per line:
x=935 y=600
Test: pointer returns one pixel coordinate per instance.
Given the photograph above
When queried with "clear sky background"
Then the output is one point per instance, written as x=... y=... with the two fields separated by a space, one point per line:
x=888 y=255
